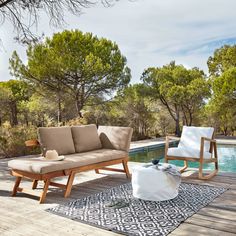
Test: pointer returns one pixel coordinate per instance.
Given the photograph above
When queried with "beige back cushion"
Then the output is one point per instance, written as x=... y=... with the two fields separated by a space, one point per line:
x=86 y=138
x=114 y=137
x=58 y=138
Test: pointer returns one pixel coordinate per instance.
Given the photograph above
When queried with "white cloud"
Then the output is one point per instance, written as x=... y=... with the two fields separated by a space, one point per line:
x=152 y=32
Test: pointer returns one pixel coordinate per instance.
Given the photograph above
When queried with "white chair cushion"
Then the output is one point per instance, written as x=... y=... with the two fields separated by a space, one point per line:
x=191 y=137
x=187 y=152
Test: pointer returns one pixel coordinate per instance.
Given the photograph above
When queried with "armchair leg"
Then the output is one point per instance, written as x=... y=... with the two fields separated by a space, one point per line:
x=205 y=177
x=185 y=167
x=216 y=157
x=208 y=176
x=97 y=171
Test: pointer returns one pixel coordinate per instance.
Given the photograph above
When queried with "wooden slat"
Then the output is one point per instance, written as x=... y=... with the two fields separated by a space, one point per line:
x=95 y=166
x=111 y=169
x=27 y=191
x=63 y=186
x=19 y=173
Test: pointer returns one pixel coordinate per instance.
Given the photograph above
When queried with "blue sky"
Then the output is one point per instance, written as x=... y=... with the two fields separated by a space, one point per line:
x=148 y=32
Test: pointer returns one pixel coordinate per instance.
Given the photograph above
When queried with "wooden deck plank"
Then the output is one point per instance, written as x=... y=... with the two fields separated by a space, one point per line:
x=22 y=215
x=195 y=230
x=217 y=223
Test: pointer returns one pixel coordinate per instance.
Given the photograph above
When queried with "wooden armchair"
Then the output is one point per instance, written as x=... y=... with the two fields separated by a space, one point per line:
x=196 y=145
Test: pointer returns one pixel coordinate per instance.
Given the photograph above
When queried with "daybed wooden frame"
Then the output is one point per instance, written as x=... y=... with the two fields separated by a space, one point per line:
x=201 y=160
x=47 y=178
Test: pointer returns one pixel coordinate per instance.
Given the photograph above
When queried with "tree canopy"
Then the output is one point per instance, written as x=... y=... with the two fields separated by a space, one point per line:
x=223 y=59
x=181 y=90
x=221 y=107
x=74 y=63
x=12 y=92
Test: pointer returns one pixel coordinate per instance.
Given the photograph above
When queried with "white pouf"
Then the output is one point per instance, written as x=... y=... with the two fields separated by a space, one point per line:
x=152 y=184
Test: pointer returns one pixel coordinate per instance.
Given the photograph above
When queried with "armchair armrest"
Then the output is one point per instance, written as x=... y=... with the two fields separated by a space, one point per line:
x=209 y=140
x=212 y=143
x=32 y=143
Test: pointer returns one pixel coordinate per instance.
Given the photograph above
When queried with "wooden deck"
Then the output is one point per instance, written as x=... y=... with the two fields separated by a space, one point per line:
x=23 y=215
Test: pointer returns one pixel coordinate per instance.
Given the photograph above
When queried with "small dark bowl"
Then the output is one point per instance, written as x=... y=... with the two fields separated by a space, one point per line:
x=155 y=161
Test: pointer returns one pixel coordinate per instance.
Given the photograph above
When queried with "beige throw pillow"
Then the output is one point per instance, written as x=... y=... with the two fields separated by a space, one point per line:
x=56 y=138
x=86 y=138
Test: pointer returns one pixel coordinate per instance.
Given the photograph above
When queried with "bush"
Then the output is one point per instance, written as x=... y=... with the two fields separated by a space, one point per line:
x=12 y=140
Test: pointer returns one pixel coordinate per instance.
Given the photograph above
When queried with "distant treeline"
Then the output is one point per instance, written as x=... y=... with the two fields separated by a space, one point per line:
x=77 y=78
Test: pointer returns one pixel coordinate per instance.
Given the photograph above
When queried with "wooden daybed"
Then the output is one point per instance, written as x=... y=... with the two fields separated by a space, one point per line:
x=84 y=147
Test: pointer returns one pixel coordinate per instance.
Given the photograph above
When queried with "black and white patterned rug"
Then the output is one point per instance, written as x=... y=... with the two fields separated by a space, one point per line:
x=117 y=210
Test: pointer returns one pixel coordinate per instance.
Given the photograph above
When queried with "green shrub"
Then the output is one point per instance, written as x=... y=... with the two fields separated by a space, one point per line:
x=12 y=140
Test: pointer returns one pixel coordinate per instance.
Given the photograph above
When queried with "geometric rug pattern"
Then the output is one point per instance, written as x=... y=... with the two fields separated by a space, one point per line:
x=117 y=210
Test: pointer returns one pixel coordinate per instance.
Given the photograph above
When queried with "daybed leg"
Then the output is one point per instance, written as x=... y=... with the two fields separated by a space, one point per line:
x=44 y=193
x=35 y=184
x=69 y=184
x=17 y=183
x=97 y=171
x=126 y=168
x=185 y=167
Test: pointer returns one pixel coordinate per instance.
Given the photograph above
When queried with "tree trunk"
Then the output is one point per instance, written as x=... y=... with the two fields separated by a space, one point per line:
x=174 y=114
x=13 y=107
x=26 y=119
x=190 y=118
x=225 y=130
x=59 y=113
x=79 y=108
x=177 y=126
x=185 y=119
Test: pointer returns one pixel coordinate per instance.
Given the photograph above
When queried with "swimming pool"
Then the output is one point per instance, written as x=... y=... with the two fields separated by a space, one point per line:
x=226 y=154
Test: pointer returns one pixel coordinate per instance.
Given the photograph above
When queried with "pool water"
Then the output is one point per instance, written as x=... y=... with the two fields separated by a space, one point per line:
x=226 y=157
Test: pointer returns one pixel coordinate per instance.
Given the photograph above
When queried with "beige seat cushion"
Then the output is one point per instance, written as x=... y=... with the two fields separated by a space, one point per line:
x=40 y=166
x=86 y=138
x=58 y=138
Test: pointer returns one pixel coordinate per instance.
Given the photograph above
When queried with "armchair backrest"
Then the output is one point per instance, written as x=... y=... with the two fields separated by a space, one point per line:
x=191 y=137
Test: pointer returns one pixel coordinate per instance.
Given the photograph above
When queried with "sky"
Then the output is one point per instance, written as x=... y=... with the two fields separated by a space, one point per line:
x=149 y=33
